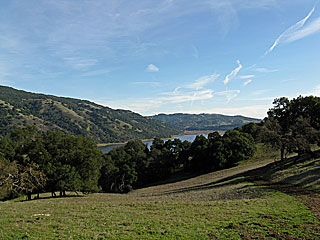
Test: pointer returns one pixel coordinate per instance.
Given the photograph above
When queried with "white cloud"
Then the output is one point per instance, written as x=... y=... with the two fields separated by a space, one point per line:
x=201 y=82
x=297 y=31
x=247 y=82
x=233 y=74
x=246 y=76
x=152 y=68
x=312 y=28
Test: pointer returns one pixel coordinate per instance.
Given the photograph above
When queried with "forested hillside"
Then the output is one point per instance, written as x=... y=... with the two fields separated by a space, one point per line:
x=78 y=117
x=195 y=122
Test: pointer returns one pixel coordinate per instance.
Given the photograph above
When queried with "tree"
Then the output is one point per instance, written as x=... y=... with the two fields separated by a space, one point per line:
x=199 y=154
x=238 y=146
x=292 y=125
x=16 y=178
x=72 y=164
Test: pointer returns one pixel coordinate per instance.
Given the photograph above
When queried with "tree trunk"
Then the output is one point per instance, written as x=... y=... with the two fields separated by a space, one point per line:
x=282 y=153
x=28 y=196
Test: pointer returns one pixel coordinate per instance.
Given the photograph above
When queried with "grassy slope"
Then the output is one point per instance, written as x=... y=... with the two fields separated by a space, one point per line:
x=220 y=205
x=78 y=117
x=200 y=122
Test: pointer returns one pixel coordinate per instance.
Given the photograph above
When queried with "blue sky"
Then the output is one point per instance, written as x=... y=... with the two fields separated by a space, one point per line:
x=166 y=56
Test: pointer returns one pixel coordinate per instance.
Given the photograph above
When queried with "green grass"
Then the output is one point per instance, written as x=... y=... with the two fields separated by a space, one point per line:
x=112 y=216
x=218 y=205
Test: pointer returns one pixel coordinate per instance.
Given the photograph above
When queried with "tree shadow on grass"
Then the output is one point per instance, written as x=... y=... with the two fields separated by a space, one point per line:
x=260 y=177
x=53 y=197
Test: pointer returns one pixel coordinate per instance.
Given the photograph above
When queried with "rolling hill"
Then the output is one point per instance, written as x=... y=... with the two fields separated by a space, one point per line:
x=199 y=122
x=78 y=117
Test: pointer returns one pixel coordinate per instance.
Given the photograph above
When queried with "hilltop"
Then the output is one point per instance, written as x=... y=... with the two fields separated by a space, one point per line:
x=200 y=122
x=74 y=116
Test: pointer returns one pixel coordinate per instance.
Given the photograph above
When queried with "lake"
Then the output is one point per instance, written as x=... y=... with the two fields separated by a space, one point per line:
x=188 y=137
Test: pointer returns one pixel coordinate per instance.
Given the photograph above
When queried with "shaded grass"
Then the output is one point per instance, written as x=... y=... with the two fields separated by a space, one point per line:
x=300 y=171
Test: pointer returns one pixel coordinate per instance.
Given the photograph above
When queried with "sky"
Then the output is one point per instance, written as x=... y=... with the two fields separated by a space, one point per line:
x=229 y=57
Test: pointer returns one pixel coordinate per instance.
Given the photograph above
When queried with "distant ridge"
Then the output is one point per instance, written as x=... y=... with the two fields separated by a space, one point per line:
x=78 y=117
x=203 y=122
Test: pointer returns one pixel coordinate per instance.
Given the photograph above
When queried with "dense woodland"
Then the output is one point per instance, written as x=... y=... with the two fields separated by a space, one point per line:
x=33 y=161
x=77 y=117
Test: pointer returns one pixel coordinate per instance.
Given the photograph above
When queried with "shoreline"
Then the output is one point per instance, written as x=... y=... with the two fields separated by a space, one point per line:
x=199 y=132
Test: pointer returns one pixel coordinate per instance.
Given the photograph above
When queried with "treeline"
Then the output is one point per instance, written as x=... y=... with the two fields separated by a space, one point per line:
x=34 y=162
x=134 y=165
x=292 y=126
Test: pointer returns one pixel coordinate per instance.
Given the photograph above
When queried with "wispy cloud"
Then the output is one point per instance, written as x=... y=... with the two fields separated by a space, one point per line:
x=152 y=105
x=152 y=68
x=246 y=76
x=226 y=13
x=233 y=74
x=181 y=97
x=317 y=90
x=96 y=73
x=297 y=31
x=312 y=28
x=229 y=94
x=195 y=52
x=256 y=111
x=247 y=82
x=314 y=92
x=80 y=63
x=263 y=70
x=201 y=82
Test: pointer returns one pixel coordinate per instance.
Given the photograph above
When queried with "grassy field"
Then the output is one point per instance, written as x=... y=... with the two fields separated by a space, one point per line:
x=220 y=205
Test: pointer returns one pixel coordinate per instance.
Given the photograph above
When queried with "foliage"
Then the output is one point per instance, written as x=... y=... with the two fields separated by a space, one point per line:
x=52 y=161
x=292 y=125
x=196 y=122
x=16 y=178
x=218 y=152
x=134 y=165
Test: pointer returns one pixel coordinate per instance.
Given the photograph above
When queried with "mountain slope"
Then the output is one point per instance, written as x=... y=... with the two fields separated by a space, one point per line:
x=79 y=117
x=196 y=122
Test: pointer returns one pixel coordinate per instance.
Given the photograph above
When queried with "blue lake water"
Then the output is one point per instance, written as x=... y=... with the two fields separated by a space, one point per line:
x=189 y=138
